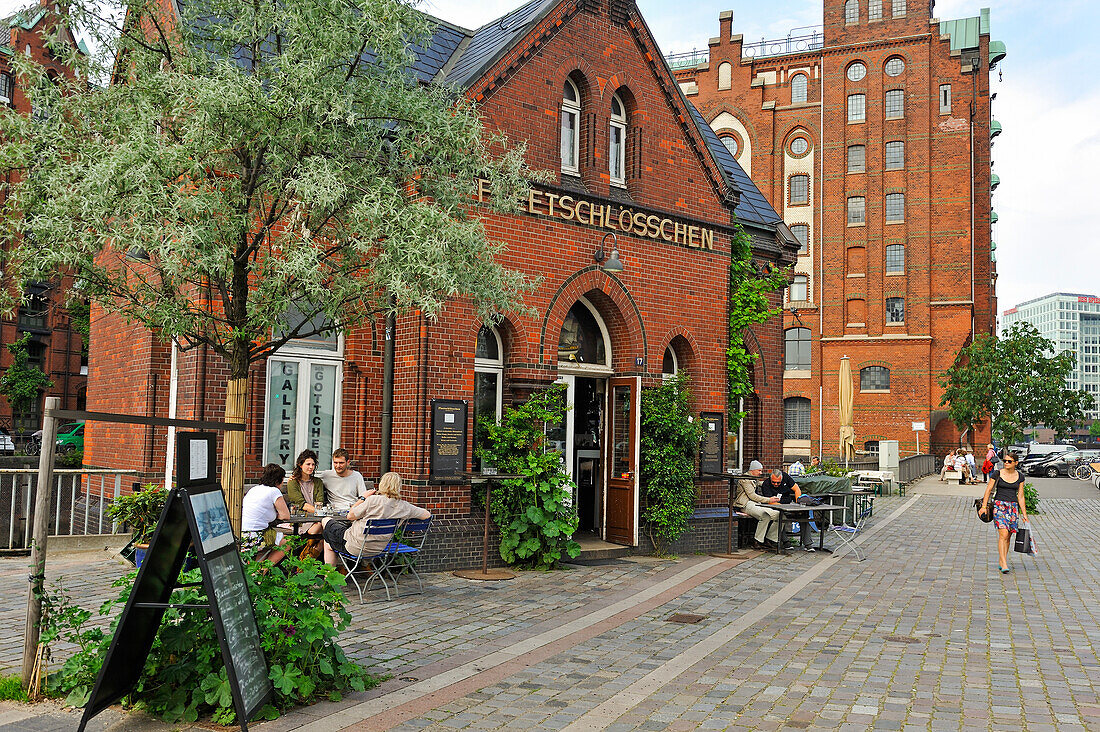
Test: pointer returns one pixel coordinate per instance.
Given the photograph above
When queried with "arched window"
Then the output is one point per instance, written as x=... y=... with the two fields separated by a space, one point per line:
x=796 y=418
x=799 y=291
x=670 y=365
x=725 y=76
x=34 y=311
x=874 y=378
x=871 y=447
x=731 y=144
x=616 y=154
x=583 y=340
x=488 y=383
x=798 y=88
x=797 y=349
x=570 y=127
x=851 y=12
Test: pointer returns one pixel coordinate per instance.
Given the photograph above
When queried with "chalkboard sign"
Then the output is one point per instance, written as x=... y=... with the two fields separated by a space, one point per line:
x=193 y=516
x=448 y=445
x=710 y=449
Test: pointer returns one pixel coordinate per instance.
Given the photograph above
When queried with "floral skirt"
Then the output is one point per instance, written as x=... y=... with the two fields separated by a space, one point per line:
x=1006 y=515
x=252 y=541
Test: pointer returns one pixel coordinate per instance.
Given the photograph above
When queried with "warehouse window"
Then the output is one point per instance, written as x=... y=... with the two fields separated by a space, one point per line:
x=899 y=8
x=857 y=158
x=895 y=155
x=895 y=207
x=802 y=233
x=857 y=211
x=798 y=89
x=851 y=12
x=945 y=99
x=895 y=258
x=874 y=378
x=895 y=104
x=895 y=310
x=797 y=349
x=857 y=107
x=796 y=418
x=874 y=10
x=800 y=190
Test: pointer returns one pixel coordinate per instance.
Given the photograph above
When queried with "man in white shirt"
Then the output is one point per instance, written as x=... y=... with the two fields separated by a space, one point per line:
x=343 y=486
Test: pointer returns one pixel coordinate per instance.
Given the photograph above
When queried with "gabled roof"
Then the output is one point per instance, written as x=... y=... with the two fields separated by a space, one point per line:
x=752 y=206
x=438 y=50
x=489 y=42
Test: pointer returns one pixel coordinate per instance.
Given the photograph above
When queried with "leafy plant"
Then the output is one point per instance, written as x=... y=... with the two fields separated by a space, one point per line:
x=830 y=466
x=22 y=383
x=72 y=459
x=300 y=616
x=140 y=510
x=669 y=442
x=750 y=303
x=1031 y=498
x=11 y=689
x=536 y=515
x=1014 y=381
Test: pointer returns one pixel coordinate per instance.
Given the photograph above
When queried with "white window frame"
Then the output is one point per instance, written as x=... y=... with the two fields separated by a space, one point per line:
x=617 y=158
x=894 y=94
x=584 y=369
x=800 y=86
x=945 y=99
x=800 y=280
x=306 y=356
x=851 y=12
x=665 y=375
x=570 y=108
x=898 y=8
x=493 y=366
x=874 y=10
x=856 y=71
x=859 y=115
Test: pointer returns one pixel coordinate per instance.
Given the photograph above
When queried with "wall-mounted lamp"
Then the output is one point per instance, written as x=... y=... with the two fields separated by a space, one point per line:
x=613 y=263
x=137 y=253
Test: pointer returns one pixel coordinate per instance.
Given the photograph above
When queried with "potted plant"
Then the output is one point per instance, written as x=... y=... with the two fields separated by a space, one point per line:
x=140 y=511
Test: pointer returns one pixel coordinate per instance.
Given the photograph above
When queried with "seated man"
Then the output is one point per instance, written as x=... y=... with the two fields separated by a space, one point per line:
x=752 y=503
x=384 y=503
x=343 y=486
x=797 y=468
x=815 y=465
x=781 y=485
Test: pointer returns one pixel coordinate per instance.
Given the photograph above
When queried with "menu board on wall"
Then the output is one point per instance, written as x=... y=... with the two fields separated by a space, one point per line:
x=448 y=438
x=710 y=448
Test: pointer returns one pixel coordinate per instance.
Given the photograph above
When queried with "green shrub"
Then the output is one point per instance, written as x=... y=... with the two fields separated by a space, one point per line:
x=536 y=515
x=1031 y=498
x=669 y=442
x=11 y=689
x=73 y=459
x=140 y=510
x=300 y=615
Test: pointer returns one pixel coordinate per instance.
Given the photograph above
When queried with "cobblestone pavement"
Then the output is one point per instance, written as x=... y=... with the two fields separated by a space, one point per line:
x=924 y=634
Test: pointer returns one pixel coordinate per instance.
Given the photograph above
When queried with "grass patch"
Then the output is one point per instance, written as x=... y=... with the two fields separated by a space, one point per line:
x=11 y=689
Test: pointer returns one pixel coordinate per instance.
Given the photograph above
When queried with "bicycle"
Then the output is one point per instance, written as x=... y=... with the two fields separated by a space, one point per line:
x=1085 y=471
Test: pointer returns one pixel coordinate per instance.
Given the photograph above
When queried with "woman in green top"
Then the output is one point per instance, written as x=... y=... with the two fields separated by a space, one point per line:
x=304 y=489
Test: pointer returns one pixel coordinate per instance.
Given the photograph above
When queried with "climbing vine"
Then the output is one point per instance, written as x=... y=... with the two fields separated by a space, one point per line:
x=750 y=288
x=669 y=441
x=536 y=515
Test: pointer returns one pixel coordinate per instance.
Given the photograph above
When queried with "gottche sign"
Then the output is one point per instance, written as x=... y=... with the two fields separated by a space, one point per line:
x=607 y=216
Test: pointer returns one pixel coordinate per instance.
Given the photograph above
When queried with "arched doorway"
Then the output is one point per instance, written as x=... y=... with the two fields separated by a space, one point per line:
x=598 y=436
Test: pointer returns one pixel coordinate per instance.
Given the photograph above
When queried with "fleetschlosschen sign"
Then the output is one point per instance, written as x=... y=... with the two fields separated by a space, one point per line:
x=607 y=216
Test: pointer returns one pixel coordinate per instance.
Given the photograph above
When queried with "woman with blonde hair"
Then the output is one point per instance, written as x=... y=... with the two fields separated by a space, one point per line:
x=385 y=503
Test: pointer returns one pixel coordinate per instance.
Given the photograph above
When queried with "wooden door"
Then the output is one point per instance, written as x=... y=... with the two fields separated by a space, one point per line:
x=623 y=428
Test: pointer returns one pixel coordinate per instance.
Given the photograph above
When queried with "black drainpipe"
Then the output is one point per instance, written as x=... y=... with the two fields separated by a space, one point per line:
x=387 y=392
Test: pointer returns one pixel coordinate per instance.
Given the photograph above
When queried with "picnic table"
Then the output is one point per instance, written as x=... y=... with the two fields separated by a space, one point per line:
x=790 y=512
x=297 y=520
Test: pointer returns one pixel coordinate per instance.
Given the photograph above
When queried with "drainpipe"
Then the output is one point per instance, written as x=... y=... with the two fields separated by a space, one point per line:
x=821 y=265
x=387 y=391
x=173 y=391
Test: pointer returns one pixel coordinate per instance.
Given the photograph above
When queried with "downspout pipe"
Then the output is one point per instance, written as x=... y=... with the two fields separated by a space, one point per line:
x=387 y=391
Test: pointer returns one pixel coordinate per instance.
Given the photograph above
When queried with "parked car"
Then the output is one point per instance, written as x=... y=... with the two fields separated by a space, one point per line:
x=7 y=444
x=1060 y=464
x=70 y=437
x=1038 y=452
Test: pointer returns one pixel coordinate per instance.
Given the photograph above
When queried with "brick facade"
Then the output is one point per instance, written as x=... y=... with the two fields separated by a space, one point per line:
x=55 y=346
x=671 y=294
x=946 y=276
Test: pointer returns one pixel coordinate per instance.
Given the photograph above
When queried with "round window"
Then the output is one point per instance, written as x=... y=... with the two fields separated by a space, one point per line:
x=799 y=146
x=731 y=144
x=857 y=71
x=895 y=67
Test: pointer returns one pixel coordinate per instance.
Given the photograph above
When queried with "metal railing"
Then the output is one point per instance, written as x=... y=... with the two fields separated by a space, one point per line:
x=78 y=504
x=792 y=43
x=687 y=60
x=916 y=466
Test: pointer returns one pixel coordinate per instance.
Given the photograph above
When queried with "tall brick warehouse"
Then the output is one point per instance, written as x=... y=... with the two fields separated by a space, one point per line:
x=873 y=134
x=633 y=169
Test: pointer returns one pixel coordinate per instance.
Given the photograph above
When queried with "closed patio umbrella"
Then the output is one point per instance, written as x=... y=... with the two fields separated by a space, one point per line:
x=847 y=431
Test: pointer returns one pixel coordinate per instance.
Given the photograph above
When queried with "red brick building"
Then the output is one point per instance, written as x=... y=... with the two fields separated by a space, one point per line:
x=635 y=172
x=54 y=346
x=874 y=135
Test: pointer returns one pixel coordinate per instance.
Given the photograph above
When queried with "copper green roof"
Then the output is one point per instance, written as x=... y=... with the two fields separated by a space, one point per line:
x=964 y=33
x=994 y=182
x=993 y=217
x=994 y=129
x=997 y=51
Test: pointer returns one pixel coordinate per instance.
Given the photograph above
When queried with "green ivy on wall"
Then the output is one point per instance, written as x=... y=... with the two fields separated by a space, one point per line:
x=670 y=439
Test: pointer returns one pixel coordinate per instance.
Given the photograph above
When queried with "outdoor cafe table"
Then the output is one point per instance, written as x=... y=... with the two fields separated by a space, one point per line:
x=731 y=477
x=798 y=512
x=855 y=498
x=298 y=520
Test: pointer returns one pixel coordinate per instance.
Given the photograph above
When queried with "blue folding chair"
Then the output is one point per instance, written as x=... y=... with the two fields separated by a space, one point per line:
x=378 y=564
x=848 y=534
x=407 y=550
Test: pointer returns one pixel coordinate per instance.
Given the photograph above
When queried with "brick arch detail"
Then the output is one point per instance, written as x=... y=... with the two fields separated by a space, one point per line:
x=809 y=130
x=742 y=116
x=514 y=333
x=687 y=360
x=575 y=64
x=575 y=287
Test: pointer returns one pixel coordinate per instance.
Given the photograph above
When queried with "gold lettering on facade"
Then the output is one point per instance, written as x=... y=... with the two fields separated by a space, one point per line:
x=567 y=208
x=664 y=223
x=624 y=225
x=597 y=212
x=551 y=199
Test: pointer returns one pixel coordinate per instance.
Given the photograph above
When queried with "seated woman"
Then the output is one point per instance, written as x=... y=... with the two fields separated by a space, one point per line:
x=384 y=503
x=263 y=503
x=304 y=489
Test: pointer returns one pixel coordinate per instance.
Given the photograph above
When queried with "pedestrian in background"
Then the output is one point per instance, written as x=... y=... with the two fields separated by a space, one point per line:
x=1006 y=488
x=948 y=465
x=990 y=461
x=971 y=465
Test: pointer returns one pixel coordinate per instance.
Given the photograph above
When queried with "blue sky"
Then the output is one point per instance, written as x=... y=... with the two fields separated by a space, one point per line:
x=1048 y=102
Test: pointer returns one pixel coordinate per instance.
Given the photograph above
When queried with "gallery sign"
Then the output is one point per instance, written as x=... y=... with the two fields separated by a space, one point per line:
x=609 y=216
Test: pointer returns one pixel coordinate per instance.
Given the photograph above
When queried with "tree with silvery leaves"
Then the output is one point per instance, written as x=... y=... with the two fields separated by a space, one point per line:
x=253 y=156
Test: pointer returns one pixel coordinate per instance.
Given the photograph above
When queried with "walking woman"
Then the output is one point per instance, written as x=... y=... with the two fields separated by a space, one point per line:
x=1009 y=508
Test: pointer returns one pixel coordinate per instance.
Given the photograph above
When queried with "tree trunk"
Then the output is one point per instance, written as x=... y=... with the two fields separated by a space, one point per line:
x=233 y=451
